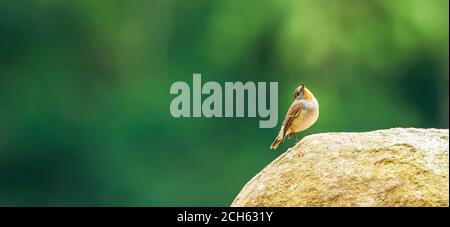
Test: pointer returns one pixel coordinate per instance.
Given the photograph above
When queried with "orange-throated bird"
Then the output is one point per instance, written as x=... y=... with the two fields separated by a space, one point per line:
x=302 y=113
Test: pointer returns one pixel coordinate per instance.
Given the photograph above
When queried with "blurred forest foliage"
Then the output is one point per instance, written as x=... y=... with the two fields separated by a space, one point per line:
x=84 y=89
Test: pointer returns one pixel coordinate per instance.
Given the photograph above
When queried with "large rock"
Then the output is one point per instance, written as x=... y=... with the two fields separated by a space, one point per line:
x=394 y=167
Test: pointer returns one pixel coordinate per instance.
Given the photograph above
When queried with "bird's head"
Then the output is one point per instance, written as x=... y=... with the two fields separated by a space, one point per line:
x=303 y=93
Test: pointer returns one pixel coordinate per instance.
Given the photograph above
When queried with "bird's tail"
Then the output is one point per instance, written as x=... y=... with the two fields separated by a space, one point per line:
x=277 y=140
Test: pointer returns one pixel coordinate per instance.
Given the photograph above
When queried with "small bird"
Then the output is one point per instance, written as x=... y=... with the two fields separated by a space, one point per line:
x=302 y=114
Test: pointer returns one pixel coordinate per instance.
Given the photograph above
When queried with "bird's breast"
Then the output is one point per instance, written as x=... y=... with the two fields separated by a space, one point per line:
x=306 y=118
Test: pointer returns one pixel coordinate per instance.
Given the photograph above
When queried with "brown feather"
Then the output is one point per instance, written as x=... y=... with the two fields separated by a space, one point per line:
x=276 y=142
x=292 y=113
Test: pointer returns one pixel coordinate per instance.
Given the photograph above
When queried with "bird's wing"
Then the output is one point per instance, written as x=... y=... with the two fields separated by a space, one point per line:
x=292 y=113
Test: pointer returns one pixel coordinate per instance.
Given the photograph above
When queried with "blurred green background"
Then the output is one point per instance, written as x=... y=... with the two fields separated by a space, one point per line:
x=84 y=89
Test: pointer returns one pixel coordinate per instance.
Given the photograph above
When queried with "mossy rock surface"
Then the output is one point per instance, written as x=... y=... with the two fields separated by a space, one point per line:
x=393 y=167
